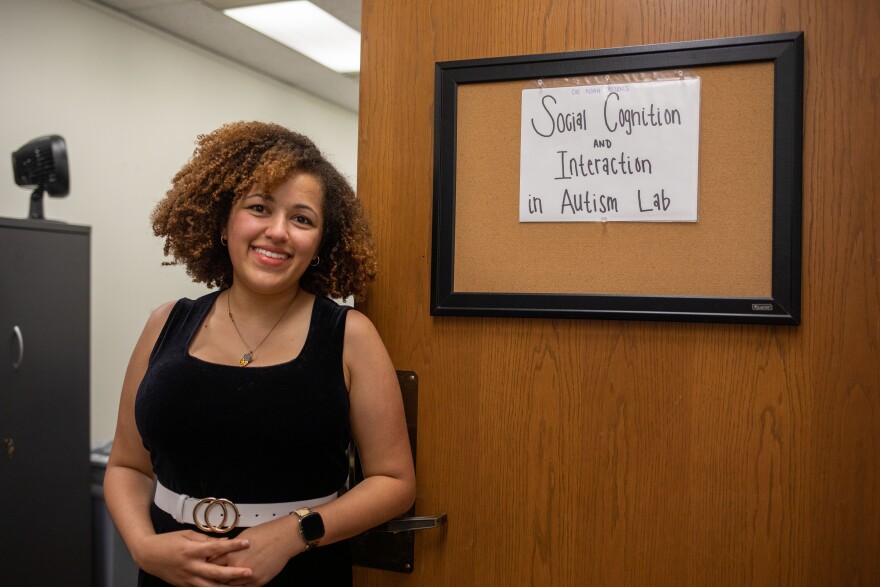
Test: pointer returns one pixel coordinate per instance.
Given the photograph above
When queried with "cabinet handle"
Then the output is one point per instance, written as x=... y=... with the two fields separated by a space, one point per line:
x=20 y=340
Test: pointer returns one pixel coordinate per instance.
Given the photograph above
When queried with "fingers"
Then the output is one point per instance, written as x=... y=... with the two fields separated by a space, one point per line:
x=182 y=558
x=214 y=552
x=218 y=548
x=197 y=536
x=220 y=559
x=225 y=575
x=214 y=547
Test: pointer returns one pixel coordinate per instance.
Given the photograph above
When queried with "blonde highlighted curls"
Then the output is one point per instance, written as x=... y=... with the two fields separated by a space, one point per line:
x=225 y=165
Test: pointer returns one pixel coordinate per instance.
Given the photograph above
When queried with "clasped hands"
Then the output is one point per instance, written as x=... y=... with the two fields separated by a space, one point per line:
x=190 y=559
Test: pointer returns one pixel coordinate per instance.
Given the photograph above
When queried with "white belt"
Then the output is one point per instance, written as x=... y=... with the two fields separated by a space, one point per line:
x=220 y=515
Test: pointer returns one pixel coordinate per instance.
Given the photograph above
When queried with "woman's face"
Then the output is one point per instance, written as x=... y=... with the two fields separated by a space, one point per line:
x=272 y=237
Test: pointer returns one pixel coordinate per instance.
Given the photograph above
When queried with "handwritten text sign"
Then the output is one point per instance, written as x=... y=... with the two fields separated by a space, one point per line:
x=617 y=152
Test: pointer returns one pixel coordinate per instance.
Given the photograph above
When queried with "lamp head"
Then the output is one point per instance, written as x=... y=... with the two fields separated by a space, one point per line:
x=42 y=164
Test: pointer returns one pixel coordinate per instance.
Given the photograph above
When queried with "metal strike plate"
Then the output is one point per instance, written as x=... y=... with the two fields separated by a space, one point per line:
x=391 y=545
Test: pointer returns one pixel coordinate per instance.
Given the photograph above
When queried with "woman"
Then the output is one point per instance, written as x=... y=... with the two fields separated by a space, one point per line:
x=241 y=404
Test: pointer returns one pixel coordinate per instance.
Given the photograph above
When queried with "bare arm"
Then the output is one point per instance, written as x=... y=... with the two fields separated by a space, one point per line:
x=177 y=557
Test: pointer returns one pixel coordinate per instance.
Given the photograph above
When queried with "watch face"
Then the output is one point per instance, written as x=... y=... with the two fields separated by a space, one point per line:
x=312 y=526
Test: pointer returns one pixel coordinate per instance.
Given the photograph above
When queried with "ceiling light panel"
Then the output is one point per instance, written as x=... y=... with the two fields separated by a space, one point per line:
x=305 y=28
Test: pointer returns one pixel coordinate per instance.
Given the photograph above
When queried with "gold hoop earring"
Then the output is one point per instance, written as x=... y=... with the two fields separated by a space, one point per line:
x=315 y=262
x=223 y=240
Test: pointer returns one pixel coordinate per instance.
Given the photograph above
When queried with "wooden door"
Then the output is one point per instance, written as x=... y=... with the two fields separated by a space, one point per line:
x=632 y=453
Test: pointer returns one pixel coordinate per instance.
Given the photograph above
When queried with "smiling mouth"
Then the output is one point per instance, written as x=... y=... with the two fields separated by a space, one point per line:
x=270 y=254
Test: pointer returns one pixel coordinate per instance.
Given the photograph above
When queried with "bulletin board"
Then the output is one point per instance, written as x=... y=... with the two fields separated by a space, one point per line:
x=739 y=262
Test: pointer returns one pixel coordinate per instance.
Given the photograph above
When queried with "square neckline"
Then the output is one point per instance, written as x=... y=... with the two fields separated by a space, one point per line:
x=204 y=314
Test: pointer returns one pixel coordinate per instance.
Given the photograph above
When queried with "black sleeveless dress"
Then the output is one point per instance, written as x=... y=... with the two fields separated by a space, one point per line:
x=251 y=435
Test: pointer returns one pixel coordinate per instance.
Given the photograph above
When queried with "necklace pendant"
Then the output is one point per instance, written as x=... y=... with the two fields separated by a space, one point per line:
x=245 y=359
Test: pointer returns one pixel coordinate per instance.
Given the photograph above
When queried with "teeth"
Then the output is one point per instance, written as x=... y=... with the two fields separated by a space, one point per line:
x=270 y=254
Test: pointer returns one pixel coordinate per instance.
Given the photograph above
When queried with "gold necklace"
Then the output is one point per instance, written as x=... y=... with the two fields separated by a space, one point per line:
x=249 y=357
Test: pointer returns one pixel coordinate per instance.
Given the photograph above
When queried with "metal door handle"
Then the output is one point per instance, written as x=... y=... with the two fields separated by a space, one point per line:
x=410 y=524
x=20 y=340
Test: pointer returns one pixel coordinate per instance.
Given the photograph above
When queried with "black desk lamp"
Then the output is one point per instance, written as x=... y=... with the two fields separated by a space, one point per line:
x=42 y=164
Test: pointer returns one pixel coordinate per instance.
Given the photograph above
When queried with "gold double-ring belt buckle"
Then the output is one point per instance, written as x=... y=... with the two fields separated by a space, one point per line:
x=203 y=521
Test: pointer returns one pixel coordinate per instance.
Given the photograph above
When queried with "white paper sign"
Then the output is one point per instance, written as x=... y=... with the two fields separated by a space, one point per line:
x=618 y=152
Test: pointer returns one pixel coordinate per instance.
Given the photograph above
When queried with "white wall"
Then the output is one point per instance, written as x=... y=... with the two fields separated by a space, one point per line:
x=130 y=102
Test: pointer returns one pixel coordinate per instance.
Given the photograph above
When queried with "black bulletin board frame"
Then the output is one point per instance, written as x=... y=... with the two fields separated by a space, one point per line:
x=785 y=50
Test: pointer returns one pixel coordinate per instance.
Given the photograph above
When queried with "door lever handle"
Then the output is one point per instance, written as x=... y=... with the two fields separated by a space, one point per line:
x=410 y=524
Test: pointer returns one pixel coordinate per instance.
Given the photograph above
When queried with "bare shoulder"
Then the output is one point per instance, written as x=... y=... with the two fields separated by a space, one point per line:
x=362 y=340
x=155 y=323
x=358 y=327
x=364 y=352
x=150 y=333
x=161 y=313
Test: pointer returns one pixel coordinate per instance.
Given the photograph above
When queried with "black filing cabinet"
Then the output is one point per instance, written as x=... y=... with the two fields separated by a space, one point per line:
x=45 y=496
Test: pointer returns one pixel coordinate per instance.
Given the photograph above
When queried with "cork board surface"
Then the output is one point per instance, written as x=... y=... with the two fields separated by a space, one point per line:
x=726 y=253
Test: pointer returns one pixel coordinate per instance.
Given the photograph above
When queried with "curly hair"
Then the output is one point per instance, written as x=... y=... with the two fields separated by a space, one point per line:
x=225 y=165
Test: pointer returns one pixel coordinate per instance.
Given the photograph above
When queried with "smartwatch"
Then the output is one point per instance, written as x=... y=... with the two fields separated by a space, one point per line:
x=311 y=526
